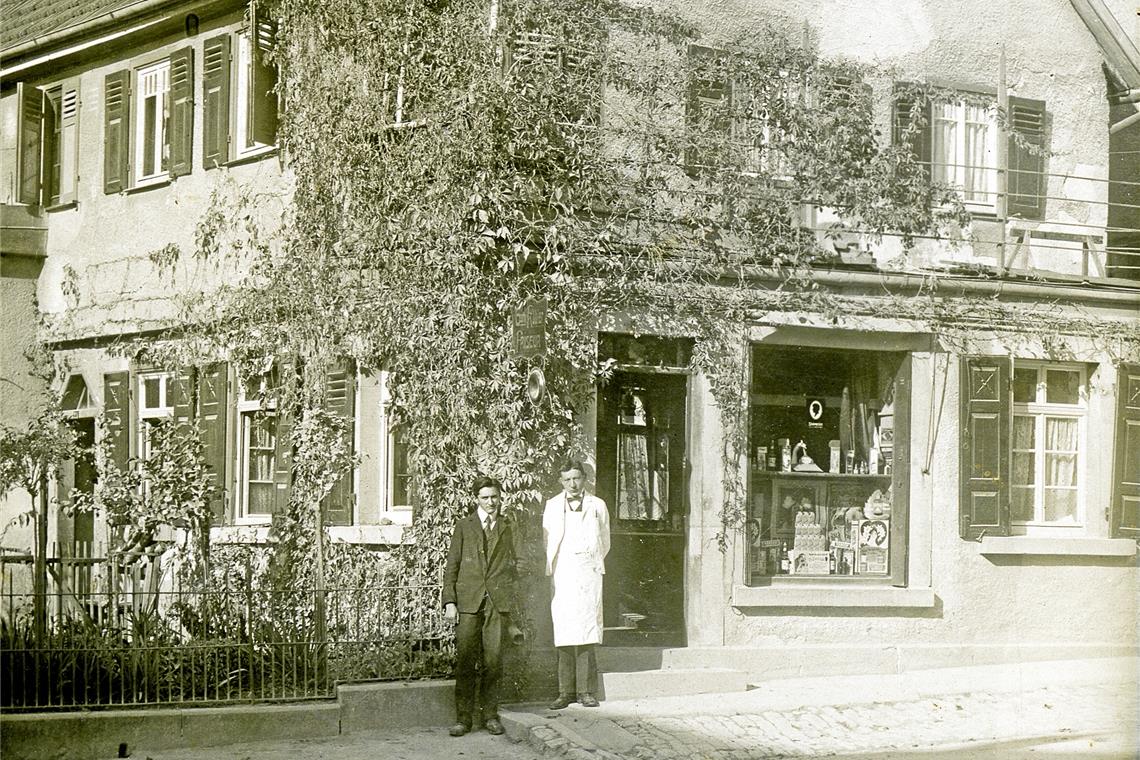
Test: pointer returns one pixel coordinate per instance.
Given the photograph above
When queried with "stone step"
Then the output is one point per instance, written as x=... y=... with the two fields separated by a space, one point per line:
x=671 y=682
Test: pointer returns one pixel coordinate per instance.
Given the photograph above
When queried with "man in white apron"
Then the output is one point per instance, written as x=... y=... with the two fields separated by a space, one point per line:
x=576 y=531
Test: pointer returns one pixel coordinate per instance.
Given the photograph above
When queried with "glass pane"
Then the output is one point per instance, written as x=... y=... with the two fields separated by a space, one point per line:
x=150 y=119
x=1023 y=469
x=1024 y=432
x=1024 y=385
x=152 y=393
x=1021 y=504
x=1062 y=386
x=1060 y=505
x=1060 y=469
x=261 y=465
x=260 y=499
x=1060 y=434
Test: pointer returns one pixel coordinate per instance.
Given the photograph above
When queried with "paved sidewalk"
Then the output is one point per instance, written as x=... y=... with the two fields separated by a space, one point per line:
x=1086 y=707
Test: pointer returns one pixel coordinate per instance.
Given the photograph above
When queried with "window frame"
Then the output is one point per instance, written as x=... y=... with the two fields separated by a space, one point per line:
x=955 y=172
x=392 y=450
x=1041 y=410
x=144 y=413
x=243 y=142
x=246 y=406
x=162 y=127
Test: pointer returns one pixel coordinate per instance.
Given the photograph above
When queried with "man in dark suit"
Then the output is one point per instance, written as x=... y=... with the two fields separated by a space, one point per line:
x=479 y=593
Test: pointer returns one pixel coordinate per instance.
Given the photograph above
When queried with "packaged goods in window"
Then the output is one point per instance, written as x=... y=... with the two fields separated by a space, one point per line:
x=844 y=554
x=872 y=546
x=809 y=534
x=810 y=562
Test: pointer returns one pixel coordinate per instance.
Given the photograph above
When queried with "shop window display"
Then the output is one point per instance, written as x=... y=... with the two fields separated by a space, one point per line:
x=825 y=499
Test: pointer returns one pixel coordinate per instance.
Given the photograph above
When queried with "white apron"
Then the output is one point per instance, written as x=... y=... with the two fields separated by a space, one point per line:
x=576 y=585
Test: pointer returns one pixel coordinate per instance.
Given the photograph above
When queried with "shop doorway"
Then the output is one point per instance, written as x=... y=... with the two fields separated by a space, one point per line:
x=642 y=475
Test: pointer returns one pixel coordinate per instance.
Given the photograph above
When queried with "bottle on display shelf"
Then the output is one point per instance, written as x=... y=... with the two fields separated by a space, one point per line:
x=773 y=456
x=785 y=455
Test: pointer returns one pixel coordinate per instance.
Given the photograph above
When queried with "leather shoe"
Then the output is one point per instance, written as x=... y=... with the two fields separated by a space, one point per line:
x=587 y=700
x=493 y=726
x=459 y=729
x=562 y=702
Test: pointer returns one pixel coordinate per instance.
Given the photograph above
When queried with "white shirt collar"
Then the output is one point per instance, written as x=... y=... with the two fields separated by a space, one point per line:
x=483 y=517
x=581 y=497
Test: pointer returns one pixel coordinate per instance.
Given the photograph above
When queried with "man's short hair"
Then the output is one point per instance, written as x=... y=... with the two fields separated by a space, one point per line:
x=483 y=481
x=571 y=464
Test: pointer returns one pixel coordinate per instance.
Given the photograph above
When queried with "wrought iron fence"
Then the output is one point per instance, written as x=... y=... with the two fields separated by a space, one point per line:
x=118 y=638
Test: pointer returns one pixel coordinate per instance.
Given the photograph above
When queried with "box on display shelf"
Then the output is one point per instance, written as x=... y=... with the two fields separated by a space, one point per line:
x=872 y=546
x=810 y=562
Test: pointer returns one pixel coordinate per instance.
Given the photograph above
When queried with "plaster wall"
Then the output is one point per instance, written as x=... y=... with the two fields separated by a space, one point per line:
x=99 y=277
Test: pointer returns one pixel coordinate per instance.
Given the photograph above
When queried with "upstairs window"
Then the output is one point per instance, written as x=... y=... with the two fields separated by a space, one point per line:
x=48 y=145
x=148 y=123
x=239 y=82
x=559 y=67
x=954 y=140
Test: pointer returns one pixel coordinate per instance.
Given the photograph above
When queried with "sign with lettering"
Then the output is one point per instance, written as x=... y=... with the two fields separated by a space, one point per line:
x=815 y=409
x=528 y=329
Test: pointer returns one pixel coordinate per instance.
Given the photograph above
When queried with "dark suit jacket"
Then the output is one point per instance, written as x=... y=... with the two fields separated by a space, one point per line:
x=470 y=575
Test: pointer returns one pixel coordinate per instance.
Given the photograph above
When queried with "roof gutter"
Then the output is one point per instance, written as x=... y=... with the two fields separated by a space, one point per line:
x=1119 y=50
x=136 y=10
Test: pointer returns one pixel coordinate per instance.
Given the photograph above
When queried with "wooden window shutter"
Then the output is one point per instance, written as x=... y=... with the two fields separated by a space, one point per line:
x=216 y=60
x=181 y=111
x=904 y=131
x=116 y=416
x=340 y=399
x=263 y=81
x=984 y=459
x=900 y=473
x=213 y=406
x=182 y=395
x=1026 y=197
x=69 y=141
x=1126 y=499
x=709 y=108
x=116 y=130
x=283 y=456
x=29 y=146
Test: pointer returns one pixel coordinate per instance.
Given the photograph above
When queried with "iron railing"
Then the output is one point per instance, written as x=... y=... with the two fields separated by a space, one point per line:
x=125 y=640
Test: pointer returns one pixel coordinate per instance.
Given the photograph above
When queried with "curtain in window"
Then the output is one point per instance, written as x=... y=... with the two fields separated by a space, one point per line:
x=975 y=174
x=945 y=129
x=634 y=502
x=1060 y=469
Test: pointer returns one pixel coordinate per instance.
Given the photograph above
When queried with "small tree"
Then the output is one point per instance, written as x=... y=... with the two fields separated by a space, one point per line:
x=28 y=457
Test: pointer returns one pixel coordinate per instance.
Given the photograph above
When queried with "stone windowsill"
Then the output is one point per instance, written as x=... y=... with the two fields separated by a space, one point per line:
x=828 y=595
x=349 y=534
x=1076 y=547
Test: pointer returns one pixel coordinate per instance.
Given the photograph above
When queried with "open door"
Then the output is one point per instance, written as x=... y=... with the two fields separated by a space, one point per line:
x=642 y=477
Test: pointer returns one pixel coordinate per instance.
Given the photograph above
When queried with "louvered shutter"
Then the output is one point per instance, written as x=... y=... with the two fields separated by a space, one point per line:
x=116 y=416
x=69 y=141
x=213 y=404
x=904 y=131
x=216 y=97
x=181 y=111
x=1026 y=144
x=340 y=399
x=984 y=460
x=709 y=108
x=263 y=79
x=116 y=134
x=29 y=147
x=1126 y=500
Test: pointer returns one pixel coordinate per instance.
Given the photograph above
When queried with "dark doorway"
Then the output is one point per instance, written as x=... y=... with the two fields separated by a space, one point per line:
x=642 y=477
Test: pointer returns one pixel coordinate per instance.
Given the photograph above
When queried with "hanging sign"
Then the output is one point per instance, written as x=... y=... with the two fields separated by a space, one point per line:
x=815 y=409
x=528 y=329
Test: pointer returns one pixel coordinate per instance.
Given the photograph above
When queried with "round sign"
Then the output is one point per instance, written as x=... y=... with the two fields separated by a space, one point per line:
x=535 y=385
x=815 y=409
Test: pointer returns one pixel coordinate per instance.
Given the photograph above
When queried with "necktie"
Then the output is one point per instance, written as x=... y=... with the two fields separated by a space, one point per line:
x=489 y=535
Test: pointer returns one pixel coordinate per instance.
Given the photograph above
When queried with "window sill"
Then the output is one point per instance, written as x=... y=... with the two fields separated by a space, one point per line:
x=1077 y=547
x=252 y=156
x=62 y=206
x=148 y=185
x=828 y=595
x=383 y=535
x=371 y=534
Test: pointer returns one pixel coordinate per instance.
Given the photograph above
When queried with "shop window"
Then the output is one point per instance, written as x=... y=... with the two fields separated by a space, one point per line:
x=828 y=484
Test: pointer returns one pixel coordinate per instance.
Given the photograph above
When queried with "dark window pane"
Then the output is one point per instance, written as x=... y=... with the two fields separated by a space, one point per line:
x=1062 y=386
x=1025 y=385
